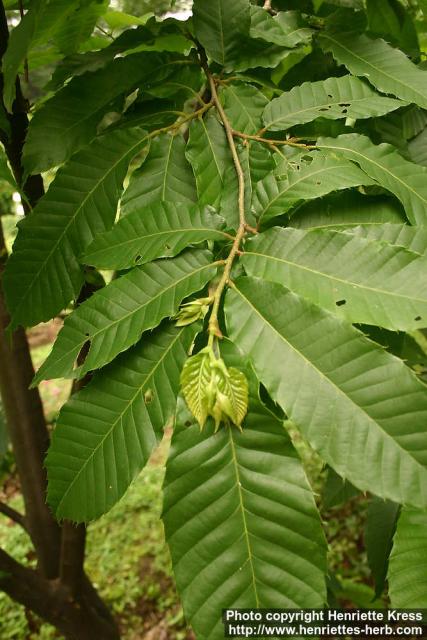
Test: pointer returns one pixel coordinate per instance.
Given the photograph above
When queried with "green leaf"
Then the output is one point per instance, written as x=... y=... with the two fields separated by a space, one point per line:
x=209 y=155
x=406 y=180
x=114 y=318
x=80 y=203
x=255 y=53
x=399 y=127
x=388 y=69
x=382 y=19
x=244 y=105
x=150 y=114
x=334 y=98
x=159 y=231
x=393 y=22
x=233 y=395
x=240 y=521
x=120 y=20
x=77 y=109
x=17 y=49
x=195 y=380
x=285 y=29
x=275 y=196
x=79 y=25
x=347 y=209
x=359 y=594
x=4 y=122
x=336 y=490
x=418 y=148
x=185 y=82
x=164 y=175
x=407 y=577
x=261 y=161
x=37 y=26
x=77 y=64
x=210 y=388
x=230 y=193
x=357 y=279
x=402 y=235
x=112 y=426
x=361 y=408
x=219 y=25
x=5 y=172
x=61 y=23
x=379 y=531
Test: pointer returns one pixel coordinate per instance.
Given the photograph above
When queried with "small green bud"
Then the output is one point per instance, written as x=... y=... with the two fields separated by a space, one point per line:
x=211 y=389
x=192 y=311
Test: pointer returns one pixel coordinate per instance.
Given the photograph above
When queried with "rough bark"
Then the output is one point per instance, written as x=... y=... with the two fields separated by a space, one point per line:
x=29 y=437
x=77 y=620
x=58 y=591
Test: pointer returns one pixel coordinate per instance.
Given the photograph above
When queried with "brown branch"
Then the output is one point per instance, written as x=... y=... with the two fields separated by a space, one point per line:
x=83 y=620
x=18 y=122
x=214 y=330
x=73 y=540
x=23 y=408
x=291 y=142
x=72 y=558
x=29 y=436
x=13 y=515
x=70 y=603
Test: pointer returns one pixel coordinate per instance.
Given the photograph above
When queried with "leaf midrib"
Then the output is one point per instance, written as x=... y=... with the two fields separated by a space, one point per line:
x=301 y=178
x=77 y=124
x=336 y=278
x=382 y=167
x=277 y=26
x=244 y=108
x=72 y=220
x=243 y=512
x=122 y=318
x=167 y=163
x=398 y=81
x=332 y=383
x=216 y=161
x=120 y=416
x=169 y=232
x=332 y=104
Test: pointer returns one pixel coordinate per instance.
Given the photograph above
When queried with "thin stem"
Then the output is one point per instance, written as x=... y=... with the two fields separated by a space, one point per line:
x=23 y=408
x=13 y=515
x=179 y=123
x=214 y=330
x=231 y=144
x=109 y=35
x=272 y=143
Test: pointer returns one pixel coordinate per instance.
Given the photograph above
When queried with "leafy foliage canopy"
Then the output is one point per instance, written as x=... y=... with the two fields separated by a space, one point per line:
x=256 y=178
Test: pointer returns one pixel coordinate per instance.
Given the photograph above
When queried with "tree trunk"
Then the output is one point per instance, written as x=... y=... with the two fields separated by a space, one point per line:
x=58 y=591
x=82 y=619
x=29 y=437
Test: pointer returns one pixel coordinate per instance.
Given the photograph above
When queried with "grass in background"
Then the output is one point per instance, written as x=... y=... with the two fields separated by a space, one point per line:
x=127 y=557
